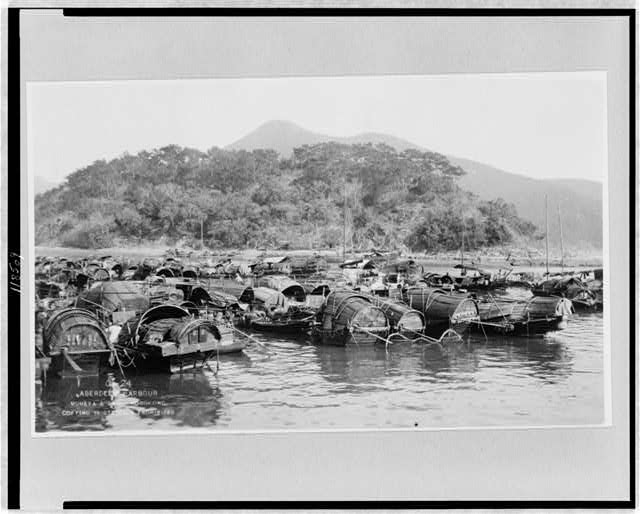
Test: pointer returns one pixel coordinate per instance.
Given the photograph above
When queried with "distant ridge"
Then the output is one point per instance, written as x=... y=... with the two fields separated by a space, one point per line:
x=580 y=201
x=283 y=136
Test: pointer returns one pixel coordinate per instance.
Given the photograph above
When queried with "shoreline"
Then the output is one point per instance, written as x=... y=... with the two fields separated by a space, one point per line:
x=487 y=259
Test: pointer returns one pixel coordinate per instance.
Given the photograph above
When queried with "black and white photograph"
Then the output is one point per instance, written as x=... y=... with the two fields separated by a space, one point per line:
x=319 y=253
x=320 y=257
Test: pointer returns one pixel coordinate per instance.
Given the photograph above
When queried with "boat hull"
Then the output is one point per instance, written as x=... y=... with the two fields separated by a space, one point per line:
x=523 y=328
x=295 y=327
x=345 y=337
x=152 y=359
x=85 y=364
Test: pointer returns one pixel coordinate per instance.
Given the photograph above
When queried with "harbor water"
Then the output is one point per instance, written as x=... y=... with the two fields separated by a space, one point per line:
x=557 y=379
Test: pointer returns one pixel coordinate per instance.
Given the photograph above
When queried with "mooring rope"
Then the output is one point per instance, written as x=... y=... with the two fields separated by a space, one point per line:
x=486 y=339
x=493 y=300
x=130 y=357
x=253 y=339
x=450 y=330
x=421 y=336
x=430 y=339
x=126 y=354
x=114 y=352
x=388 y=340
x=384 y=340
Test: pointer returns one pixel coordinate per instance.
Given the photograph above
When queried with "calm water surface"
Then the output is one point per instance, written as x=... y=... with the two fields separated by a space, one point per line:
x=557 y=379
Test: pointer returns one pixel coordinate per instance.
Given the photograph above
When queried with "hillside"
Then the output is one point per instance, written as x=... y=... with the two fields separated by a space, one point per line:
x=241 y=199
x=580 y=200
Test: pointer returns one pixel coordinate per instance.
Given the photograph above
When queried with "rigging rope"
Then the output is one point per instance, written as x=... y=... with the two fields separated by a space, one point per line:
x=251 y=338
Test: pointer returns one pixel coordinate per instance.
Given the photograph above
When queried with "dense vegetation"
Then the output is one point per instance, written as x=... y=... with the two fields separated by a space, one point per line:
x=257 y=199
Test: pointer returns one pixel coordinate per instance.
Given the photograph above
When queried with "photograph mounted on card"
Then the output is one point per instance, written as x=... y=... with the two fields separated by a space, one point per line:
x=379 y=252
x=342 y=256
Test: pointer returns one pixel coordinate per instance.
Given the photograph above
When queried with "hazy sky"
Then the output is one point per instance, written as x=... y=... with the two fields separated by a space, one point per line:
x=540 y=125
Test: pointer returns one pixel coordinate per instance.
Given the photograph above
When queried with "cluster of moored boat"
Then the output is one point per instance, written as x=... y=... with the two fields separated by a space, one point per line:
x=171 y=315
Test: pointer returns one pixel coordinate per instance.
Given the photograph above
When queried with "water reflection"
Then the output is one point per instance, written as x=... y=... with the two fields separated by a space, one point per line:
x=187 y=398
x=87 y=403
x=82 y=403
x=285 y=383
x=543 y=359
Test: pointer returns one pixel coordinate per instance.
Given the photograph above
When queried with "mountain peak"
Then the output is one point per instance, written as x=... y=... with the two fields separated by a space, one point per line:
x=280 y=124
x=279 y=135
x=283 y=136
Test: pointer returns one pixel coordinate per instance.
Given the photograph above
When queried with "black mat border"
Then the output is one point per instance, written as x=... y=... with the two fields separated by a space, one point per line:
x=13 y=258
x=13 y=250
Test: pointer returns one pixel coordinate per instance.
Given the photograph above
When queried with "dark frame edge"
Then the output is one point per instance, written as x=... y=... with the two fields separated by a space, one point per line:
x=13 y=257
x=337 y=11
x=13 y=249
x=632 y=258
x=364 y=505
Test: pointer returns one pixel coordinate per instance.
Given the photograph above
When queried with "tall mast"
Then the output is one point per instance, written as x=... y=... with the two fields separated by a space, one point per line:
x=344 y=225
x=546 y=231
x=561 y=241
x=462 y=252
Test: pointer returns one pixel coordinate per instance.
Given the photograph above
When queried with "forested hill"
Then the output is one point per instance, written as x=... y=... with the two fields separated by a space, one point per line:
x=580 y=201
x=260 y=199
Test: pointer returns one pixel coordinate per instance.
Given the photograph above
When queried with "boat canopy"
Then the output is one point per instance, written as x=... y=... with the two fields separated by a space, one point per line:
x=193 y=331
x=153 y=323
x=401 y=316
x=347 y=309
x=269 y=297
x=557 y=286
x=359 y=264
x=288 y=287
x=439 y=306
x=275 y=260
x=317 y=288
x=163 y=311
x=77 y=330
x=111 y=296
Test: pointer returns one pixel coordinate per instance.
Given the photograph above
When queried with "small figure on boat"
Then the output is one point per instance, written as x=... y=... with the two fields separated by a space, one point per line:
x=564 y=307
x=113 y=332
x=276 y=311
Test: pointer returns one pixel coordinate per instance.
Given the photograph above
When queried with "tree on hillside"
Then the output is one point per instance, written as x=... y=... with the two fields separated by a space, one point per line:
x=241 y=198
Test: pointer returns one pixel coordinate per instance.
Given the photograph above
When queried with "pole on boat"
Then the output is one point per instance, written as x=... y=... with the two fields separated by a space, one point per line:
x=344 y=225
x=546 y=232
x=462 y=252
x=201 y=234
x=561 y=241
x=253 y=339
